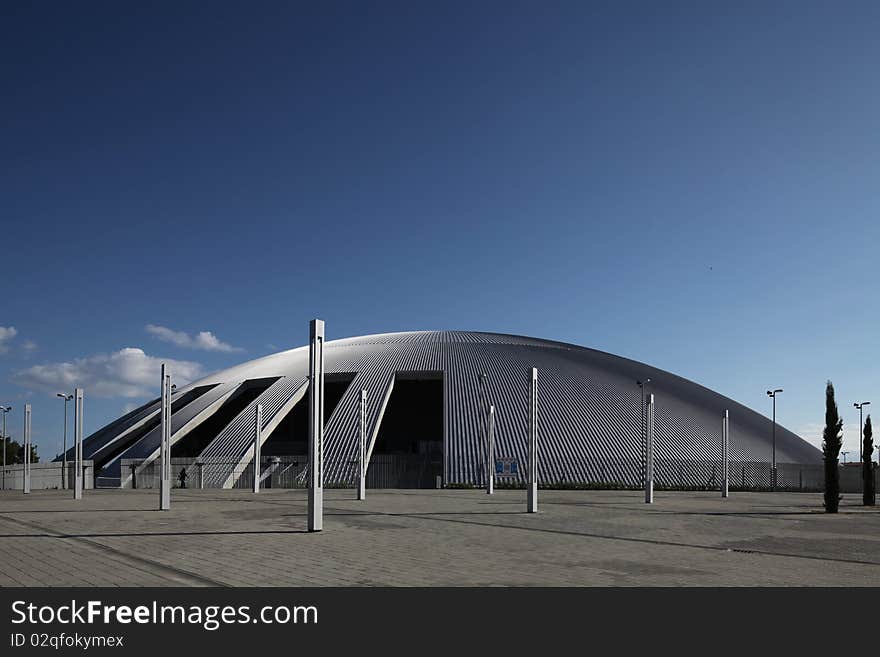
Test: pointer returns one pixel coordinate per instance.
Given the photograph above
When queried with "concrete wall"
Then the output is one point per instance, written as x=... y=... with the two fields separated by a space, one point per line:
x=45 y=476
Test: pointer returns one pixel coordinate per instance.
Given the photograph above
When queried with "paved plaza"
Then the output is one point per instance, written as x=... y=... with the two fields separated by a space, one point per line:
x=435 y=538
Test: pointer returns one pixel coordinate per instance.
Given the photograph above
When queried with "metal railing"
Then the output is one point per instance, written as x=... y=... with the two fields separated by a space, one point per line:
x=421 y=471
x=275 y=472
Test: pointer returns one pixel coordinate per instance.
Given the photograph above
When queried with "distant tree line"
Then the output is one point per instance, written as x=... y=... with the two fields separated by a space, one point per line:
x=15 y=452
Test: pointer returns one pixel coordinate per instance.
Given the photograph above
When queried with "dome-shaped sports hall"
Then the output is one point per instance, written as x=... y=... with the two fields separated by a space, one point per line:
x=426 y=398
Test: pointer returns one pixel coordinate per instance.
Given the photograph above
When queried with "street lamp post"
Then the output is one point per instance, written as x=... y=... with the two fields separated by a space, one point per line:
x=844 y=457
x=5 y=410
x=861 y=426
x=772 y=394
x=641 y=385
x=66 y=399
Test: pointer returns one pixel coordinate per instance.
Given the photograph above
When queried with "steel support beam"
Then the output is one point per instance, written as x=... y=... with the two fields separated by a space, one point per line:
x=649 y=449
x=316 y=425
x=533 y=443
x=362 y=448
x=78 y=443
x=258 y=439
x=26 y=472
x=165 y=447
x=725 y=454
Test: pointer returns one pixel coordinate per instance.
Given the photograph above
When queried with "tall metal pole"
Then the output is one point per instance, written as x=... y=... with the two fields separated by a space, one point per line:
x=649 y=450
x=862 y=436
x=773 y=472
x=532 y=506
x=66 y=399
x=4 y=410
x=862 y=426
x=362 y=448
x=258 y=439
x=64 y=448
x=772 y=394
x=316 y=425
x=725 y=455
x=165 y=446
x=78 y=438
x=26 y=472
x=490 y=452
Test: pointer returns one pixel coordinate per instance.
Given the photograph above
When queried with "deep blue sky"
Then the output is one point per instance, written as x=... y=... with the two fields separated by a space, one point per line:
x=694 y=185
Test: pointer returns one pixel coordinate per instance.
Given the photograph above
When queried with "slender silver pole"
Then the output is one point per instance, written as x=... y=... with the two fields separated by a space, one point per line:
x=258 y=438
x=362 y=467
x=78 y=438
x=316 y=425
x=533 y=443
x=5 y=411
x=773 y=472
x=490 y=452
x=725 y=454
x=27 y=450
x=165 y=445
x=64 y=448
x=649 y=450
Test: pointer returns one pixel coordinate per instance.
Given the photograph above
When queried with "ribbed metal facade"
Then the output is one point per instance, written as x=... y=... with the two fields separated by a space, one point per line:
x=588 y=408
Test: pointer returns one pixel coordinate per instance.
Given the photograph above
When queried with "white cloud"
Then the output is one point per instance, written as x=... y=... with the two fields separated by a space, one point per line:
x=204 y=340
x=29 y=346
x=128 y=372
x=7 y=333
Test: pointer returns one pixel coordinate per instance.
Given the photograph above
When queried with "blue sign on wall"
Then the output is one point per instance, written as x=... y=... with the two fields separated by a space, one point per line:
x=506 y=467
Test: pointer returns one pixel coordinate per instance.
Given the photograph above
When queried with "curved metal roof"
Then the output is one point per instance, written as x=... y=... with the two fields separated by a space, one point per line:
x=589 y=407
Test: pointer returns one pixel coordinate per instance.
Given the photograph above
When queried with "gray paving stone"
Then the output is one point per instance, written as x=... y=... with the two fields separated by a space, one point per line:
x=425 y=538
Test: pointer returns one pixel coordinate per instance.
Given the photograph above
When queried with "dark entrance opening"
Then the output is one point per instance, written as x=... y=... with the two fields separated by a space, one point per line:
x=291 y=436
x=196 y=440
x=409 y=447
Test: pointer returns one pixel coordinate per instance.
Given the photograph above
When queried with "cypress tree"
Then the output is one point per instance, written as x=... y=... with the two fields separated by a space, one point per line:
x=868 y=492
x=832 y=440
